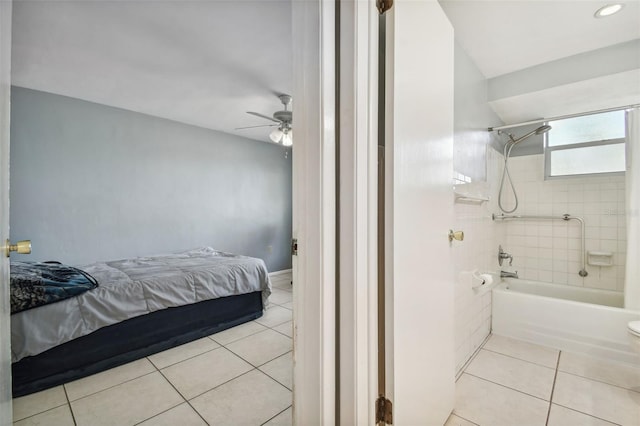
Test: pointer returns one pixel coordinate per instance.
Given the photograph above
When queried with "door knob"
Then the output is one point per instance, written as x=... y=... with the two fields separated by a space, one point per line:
x=22 y=247
x=457 y=235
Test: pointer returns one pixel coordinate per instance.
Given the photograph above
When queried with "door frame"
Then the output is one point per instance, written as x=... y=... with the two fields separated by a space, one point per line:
x=358 y=212
x=314 y=203
x=335 y=206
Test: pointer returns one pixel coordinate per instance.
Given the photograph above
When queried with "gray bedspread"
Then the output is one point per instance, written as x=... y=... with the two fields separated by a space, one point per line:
x=129 y=288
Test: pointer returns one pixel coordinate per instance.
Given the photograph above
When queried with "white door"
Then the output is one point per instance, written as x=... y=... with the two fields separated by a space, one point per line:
x=419 y=210
x=5 y=332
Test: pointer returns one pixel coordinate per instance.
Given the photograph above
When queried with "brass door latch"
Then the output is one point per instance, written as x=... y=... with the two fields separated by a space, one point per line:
x=22 y=247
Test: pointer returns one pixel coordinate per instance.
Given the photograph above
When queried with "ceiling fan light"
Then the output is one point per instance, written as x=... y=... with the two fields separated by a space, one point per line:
x=276 y=135
x=287 y=139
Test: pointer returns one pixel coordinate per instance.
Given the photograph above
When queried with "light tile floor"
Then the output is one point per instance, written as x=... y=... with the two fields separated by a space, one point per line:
x=510 y=382
x=240 y=377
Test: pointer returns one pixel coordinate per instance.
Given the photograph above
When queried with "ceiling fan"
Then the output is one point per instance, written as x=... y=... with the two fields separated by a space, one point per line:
x=283 y=132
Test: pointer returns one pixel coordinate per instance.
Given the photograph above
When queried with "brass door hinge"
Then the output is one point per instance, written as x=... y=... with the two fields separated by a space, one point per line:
x=383 y=5
x=294 y=247
x=384 y=411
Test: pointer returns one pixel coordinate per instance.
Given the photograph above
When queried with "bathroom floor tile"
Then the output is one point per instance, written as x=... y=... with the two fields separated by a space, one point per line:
x=486 y=403
x=523 y=376
x=206 y=371
x=238 y=332
x=536 y=354
x=261 y=347
x=614 y=373
x=39 y=402
x=561 y=416
x=598 y=399
x=182 y=415
x=60 y=416
x=251 y=399
x=180 y=353
x=128 y=403
x=106 y=379
x=454 y=420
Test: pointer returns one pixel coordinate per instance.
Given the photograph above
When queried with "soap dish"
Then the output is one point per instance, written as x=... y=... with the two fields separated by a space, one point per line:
x=600 y=258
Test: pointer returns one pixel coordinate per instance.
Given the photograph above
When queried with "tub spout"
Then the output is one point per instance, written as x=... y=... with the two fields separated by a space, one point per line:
x=506 y=274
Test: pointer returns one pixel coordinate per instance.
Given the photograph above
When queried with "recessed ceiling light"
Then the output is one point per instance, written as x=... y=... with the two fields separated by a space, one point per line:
x=608 y=10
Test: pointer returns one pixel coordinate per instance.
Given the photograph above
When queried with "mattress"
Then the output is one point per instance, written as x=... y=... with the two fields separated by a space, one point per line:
x=134 y=287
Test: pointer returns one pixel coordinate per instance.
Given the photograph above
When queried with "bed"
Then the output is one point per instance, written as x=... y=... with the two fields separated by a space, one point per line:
x=141 y=306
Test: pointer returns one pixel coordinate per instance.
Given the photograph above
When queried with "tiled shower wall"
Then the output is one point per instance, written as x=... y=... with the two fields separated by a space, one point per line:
x=478 y=251
x=549 y=250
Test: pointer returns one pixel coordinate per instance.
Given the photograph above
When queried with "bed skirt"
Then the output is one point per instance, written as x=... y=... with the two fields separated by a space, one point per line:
x=132 y=339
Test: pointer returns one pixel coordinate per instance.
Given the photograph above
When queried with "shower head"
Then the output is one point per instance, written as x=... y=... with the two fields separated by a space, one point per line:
x=540 y=130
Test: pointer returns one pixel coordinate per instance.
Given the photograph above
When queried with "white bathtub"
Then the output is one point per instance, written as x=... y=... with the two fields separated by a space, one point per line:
x=568 y=318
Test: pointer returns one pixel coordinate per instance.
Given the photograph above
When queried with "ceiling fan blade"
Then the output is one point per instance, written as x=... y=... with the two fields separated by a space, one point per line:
x=257 y=114
x=253 y=127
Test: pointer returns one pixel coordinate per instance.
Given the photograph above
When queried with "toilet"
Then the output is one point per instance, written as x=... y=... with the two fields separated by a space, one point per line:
x=634 y=335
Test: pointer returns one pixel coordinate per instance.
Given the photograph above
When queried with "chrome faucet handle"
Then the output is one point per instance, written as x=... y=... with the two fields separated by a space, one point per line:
x=504 y=255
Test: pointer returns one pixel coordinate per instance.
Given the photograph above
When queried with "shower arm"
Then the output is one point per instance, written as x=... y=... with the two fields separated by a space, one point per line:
x=566 y=217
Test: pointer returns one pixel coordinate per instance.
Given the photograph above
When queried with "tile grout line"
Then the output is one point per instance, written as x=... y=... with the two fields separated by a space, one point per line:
x=270 y=376
x=41 y=412
x=520 y=359
x=73 y=417
x=184 y=399
x=217 y=386
x=258 y=366
x=473 y=356
x=587 y=414
x=553 y=388
x=268 y=420
x=156 y=415
x=111 y=387
x=506 y=387
x=599 y=381
x=233 y=341
x=463 y=418
x=240 y=375
x=186 y=359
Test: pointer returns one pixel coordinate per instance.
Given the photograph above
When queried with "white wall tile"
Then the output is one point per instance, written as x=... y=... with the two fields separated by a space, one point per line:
x=556 y=244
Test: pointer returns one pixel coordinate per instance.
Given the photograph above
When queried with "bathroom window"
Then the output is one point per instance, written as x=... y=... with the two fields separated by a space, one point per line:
x=587 y=145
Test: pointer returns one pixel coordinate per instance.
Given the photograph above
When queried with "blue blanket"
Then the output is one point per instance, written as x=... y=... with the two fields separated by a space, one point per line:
x=35 y=284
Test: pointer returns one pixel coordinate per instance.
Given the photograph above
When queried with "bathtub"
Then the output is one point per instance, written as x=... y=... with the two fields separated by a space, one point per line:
x=573 y=319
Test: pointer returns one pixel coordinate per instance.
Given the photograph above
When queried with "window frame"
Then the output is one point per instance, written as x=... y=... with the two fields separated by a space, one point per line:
x=548 y=149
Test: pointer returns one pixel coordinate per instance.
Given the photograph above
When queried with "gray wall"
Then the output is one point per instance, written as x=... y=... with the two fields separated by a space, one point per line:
x=91 y=182
x=472 y=117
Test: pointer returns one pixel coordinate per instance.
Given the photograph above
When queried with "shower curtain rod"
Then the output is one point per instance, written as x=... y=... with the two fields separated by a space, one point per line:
x=560 y=117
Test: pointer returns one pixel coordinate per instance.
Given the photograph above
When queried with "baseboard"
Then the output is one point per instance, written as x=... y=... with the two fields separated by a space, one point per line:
x=284 y=271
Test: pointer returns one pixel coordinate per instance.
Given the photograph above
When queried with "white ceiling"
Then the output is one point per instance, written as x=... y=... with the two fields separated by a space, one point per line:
x=198 y=62
x=207 y=62
x=506 y=36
